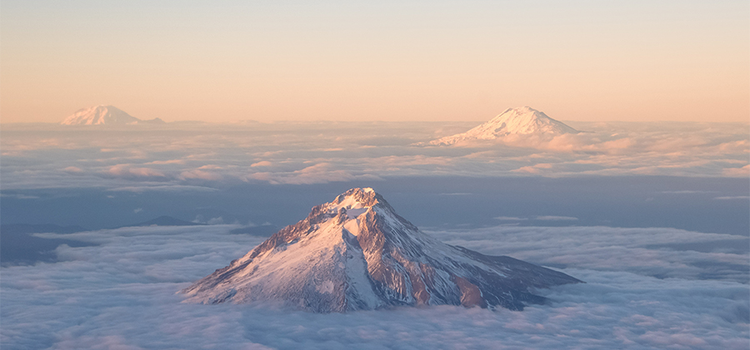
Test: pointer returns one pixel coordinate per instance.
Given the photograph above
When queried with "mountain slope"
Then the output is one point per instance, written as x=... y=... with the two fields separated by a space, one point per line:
x=104 y=115
x=356 y=253
x=514 y=121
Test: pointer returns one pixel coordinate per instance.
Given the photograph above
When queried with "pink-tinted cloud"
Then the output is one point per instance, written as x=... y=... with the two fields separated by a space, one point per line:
x=73 y=169
x=125 y=170
x=738 y=172
x=171 y=161
x=318 y=173
x=201 y=175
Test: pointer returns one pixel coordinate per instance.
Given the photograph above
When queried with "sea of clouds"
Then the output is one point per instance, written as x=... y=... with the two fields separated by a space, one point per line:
x=180 y=156
x=643 y=290
x=645 y=287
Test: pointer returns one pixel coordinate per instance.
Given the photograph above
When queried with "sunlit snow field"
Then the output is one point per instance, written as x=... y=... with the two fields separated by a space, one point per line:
x=640 y=292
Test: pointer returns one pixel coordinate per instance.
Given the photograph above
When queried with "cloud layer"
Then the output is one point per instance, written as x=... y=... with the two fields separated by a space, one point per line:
x=306 y=153
x=641 y=293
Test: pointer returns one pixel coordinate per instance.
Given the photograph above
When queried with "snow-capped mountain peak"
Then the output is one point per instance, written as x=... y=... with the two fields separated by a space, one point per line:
x=104 y=115
x=357 y=253
x=513 y=121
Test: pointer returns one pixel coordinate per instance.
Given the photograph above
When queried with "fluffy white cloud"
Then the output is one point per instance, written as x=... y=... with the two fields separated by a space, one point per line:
x=125 y=170
x=659 y=252
x=121 y=294
x=304 y=153
x=200 y=174
x=314 y=174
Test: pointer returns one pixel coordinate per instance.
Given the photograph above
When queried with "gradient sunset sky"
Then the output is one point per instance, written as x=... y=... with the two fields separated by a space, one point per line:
x=224 y=61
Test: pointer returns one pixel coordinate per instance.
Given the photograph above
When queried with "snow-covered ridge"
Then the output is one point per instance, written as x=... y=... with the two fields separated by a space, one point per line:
x=105 y=115
x=357 y=253
x=513 y=121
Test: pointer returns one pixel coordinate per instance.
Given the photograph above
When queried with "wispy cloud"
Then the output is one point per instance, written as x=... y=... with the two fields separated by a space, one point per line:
x=732 y=197
x=126 y=170
x=318 y=173
x=555 y=218
x=509 y=218
x=171 y=161
x=737 y=172
x=73 y=169
x=201 y=175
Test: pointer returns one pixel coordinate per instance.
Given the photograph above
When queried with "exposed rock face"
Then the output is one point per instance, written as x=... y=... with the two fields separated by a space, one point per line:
x=356 y=253
x=105 y=115
x=514 y=121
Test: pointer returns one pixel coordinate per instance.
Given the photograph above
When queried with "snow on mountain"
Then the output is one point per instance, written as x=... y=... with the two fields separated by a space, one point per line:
x=105 y=115
x=514 y=121
x=357 y=253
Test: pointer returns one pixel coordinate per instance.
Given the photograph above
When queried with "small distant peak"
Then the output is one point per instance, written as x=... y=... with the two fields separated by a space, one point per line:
x=513 y=121
x=99 y=115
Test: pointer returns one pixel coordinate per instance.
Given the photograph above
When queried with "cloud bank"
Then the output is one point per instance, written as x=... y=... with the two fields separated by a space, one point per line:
x=642 y=292
x=306 y=153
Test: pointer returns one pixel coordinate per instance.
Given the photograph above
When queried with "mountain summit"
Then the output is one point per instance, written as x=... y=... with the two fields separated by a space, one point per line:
x=104 y=115
x=514 y=121
x=356 y=253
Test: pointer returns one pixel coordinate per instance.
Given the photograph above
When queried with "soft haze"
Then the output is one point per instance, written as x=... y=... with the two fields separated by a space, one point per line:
x=417 y=60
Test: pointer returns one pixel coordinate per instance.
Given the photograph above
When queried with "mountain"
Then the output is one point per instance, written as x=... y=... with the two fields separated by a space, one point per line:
x=165 y=221
x=357 y=253
x=105 y=115
x=514 y=121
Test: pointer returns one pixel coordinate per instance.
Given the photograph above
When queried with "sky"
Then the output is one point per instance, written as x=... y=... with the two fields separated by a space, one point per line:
x=225 y=61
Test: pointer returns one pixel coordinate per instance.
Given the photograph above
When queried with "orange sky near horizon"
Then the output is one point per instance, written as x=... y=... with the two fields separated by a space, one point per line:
x=391 y=61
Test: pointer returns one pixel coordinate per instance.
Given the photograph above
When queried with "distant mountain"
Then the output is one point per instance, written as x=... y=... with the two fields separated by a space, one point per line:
x=514 y=121
x=105 y=115
x=356 y=253
x=165 y=221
